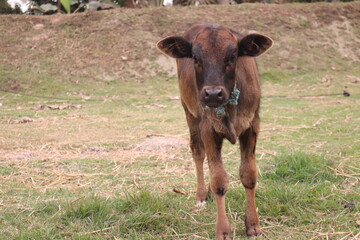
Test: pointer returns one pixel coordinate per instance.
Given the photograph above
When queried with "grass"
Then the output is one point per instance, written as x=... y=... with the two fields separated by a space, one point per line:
x=88 y=183
x=300 y=167
x=77 y=174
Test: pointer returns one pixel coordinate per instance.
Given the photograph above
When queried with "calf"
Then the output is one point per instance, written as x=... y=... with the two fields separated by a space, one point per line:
x=220 y=93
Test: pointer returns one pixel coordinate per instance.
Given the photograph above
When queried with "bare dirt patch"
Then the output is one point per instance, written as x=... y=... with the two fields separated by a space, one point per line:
x=167 y=64
x=342 y=32
x=121 y=43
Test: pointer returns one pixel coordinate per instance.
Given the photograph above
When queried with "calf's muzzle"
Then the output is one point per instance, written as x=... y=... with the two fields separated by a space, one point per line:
x=213 y=96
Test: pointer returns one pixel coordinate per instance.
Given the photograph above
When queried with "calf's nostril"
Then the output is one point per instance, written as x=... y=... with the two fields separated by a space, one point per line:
x=213 y=94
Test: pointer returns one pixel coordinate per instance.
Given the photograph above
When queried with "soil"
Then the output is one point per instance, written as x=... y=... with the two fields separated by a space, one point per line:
x=121 y=43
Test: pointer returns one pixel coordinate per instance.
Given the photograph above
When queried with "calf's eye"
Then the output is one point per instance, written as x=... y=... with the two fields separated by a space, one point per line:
x=196 y=60
x=231 y=59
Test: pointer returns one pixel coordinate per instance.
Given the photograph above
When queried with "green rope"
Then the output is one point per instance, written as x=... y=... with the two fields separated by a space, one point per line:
x=233 y=100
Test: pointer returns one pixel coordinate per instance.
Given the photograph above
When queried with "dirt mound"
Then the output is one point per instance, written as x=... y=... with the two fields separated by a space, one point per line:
x=120 y=44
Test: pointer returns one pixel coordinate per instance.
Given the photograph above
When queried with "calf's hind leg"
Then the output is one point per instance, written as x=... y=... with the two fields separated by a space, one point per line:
x=248 y=176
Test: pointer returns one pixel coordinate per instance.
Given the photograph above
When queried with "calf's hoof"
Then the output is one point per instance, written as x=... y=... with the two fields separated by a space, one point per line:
x=223 y=230
x=201 y=204
x=253 y=230
x=223 y=236
x=202 y=195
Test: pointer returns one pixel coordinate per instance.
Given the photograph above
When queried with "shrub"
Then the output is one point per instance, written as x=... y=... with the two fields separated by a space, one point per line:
x=5 y=7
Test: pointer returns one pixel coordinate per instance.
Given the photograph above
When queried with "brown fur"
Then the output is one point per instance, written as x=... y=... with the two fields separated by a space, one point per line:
x=204 y=57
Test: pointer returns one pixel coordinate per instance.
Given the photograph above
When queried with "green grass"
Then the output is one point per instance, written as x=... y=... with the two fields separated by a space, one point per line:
x=300 y=167
x=146 y=215
x=274 y=76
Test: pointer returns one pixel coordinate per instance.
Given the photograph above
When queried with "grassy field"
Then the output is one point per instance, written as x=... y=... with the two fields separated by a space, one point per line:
x=93 y=139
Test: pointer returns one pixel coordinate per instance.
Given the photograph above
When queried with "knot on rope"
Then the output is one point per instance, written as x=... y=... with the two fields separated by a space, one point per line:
x=233 y=100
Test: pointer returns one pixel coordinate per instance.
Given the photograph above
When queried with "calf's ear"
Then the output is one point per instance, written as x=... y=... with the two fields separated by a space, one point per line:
x=254 y=45
x=176 y=47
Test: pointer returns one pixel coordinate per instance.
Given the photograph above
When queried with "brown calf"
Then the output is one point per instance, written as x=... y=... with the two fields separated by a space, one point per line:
x=220 y=93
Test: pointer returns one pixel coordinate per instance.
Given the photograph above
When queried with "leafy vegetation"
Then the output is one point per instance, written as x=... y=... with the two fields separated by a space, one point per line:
x=5 y=8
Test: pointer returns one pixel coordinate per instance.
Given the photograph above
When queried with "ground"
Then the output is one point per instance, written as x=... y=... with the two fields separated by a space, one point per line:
x=93 y=141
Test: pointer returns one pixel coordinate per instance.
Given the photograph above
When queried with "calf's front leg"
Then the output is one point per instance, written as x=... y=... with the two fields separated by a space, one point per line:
x=198 y=153
x=218 y=179
x=248 y=177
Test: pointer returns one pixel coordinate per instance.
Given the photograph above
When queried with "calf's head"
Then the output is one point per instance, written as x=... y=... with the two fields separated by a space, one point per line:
x=214 y=51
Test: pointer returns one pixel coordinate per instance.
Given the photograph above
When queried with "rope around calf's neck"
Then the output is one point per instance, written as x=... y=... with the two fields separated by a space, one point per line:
x=233 y=100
